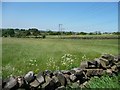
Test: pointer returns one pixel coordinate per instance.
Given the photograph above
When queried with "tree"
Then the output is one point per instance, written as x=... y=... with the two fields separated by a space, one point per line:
x=116 y=33
x=34 y=32
x=11 y=32
x=27 y=33
x=43 y=36
x=83 y=33
x=91 y=33
x=4 y=33
x=97 y=32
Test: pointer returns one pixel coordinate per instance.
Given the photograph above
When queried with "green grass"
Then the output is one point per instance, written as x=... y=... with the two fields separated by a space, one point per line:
x=0 y=58
x=104 y=82
x=19 y=55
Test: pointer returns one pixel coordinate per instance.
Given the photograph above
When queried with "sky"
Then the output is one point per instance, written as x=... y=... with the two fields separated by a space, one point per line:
x=60 y=0
x=75 y=16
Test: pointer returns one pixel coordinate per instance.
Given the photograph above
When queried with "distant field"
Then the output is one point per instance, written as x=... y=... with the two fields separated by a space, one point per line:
x=83 y=36
x=19 y=55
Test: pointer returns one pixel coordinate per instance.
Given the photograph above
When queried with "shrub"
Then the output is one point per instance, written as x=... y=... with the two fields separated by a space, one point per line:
x=43 y=36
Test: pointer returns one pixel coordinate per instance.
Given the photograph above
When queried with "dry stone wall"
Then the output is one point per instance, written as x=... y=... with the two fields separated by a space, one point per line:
x=59 y=80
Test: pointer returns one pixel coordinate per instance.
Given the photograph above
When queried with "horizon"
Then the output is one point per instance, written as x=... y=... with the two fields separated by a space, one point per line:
x=75 y=16
x=57 y=30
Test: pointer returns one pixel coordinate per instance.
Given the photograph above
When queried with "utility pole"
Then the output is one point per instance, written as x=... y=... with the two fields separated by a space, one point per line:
x=60 y=29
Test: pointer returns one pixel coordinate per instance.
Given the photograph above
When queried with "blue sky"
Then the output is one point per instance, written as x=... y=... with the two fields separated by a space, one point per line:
x=77 y=16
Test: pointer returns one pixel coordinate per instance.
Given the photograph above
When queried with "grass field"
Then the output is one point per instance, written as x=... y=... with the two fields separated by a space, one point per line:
x=20 y=55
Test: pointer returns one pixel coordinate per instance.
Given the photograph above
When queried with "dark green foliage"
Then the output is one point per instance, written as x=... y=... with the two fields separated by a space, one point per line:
x=22 y=33
x=0 y=32
x=43 y=36
x=116 y=33
x=27 y=33
x=8 y=33
x=82 y=33
x=34 y=32
x=11 y=32
x=4 y=33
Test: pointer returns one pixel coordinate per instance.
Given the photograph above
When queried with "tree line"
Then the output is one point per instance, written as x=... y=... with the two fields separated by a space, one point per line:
x=33 y=32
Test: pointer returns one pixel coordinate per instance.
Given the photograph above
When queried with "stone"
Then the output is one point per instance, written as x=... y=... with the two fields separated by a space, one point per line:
x=50 y=86
x=61 y=79
x=12 y=83
x=76 y=69
x=66 y=72
x=114 y=68
x=108 y=57
x=76 y=85
x=115 y=59
x=92 y=64
x=84 y=84
x=48 y=73
x=44 y=85
x=67 y=78
x=109 y=71
x=4 y=81
x=56 y=72
x=21 y=89
x=97 y=60
x=29 y=77
x=61 y=88
x=118 y=63
x=48 y=78
x=81 y=76
x=40 y=78
x=84 y=65
x=85 y=76
x=94 y=72
x=118 y=66
x=51 y=82
x=20 y=81
x=104 y=63
x=47 y=81
x=118 y=57
x=78 y=72
x=35 y=83
x=72 y=71
x=55 y=79
x=73 y=78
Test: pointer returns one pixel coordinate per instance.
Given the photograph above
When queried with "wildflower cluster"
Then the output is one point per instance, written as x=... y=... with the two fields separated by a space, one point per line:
x=67 y=61
x=52 y=64
x=32 y=62
x=84 y=57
